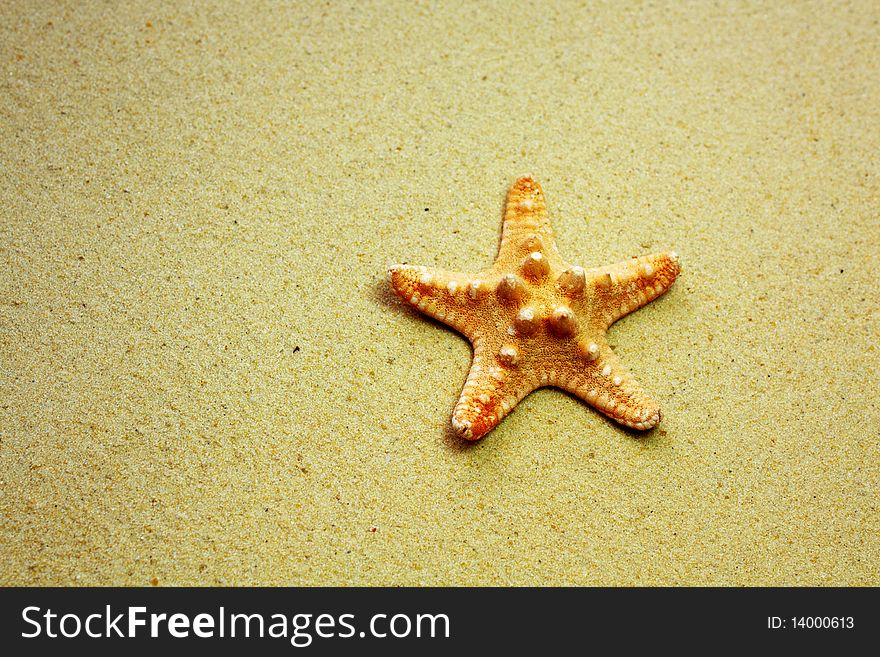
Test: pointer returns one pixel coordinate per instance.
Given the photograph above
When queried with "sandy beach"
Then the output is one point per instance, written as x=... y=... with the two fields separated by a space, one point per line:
x=206 y=380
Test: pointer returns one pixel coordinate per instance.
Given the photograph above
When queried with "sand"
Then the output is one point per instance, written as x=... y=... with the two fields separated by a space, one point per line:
x=204 y=378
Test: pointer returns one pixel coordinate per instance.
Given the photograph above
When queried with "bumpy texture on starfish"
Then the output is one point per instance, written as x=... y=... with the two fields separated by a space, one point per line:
x=535 y=320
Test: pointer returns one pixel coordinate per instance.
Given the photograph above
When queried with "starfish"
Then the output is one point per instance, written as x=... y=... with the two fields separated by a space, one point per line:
x=534 y=320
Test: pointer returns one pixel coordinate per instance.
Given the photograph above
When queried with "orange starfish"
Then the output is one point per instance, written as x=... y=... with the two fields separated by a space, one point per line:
x=534 y=320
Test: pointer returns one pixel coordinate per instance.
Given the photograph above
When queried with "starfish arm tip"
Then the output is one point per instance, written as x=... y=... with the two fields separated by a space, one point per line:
x=394 y=276
x=629 y=285
x=645 y=422
x=475 y=415
x=674 y=263
x=464 y=429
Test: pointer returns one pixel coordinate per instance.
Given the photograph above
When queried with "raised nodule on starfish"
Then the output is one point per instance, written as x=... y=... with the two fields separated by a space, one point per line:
x=534 y=320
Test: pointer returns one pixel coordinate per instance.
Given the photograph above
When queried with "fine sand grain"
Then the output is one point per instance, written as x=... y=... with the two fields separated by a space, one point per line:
x=204 y=378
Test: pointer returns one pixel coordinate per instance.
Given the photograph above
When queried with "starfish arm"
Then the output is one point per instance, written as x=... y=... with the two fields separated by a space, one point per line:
x=526 y=225
x=627 y=286
x=609 y=388
x=490 y=392
x=439 y=294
